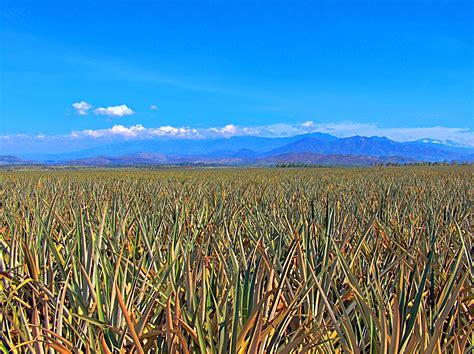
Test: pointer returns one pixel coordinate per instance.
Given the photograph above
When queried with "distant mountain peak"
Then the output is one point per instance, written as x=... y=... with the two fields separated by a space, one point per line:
x=254 y=150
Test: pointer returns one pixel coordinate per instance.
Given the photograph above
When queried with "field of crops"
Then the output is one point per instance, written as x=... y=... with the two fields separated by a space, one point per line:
x=251 y=261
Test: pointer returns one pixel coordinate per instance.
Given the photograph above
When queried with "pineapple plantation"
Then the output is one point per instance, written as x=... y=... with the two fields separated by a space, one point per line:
x=375 y=260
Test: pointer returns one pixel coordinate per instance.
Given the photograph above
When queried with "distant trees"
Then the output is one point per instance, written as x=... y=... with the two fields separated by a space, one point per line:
x=378 y=164
x=421 y=163
x=297 y=164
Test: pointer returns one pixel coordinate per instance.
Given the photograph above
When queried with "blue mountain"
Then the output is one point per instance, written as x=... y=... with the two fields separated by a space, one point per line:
x=261 y=150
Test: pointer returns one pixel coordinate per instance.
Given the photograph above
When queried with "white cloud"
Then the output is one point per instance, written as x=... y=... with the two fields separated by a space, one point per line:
x=139 y=132
x=154 y=107
x=82 y=107
x=116 y=130
x=114 y=111
x=461 y=136
x=174 y=132
x=228 y=130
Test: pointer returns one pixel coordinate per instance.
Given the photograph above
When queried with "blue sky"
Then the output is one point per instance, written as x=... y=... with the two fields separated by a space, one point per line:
x=398 y=68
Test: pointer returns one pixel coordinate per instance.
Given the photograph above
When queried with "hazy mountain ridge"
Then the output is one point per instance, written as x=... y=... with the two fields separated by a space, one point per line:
x=10 y=160
x=315 y=148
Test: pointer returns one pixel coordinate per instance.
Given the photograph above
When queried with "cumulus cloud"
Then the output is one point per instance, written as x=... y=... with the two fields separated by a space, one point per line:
x=138 y=131
x=460 y=136
x=116 y=130
x=82 y=107
x=228 y=130
x=174 y=132
x=114 y=111
x=154 y=107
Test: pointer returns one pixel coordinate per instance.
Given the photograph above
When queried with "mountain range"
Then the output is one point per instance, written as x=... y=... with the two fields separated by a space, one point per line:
x=312 y=148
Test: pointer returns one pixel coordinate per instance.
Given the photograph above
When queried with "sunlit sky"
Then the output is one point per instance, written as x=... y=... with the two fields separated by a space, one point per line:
x=404 y=69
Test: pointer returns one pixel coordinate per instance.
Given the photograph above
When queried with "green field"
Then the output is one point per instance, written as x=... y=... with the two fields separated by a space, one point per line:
x=232 y=260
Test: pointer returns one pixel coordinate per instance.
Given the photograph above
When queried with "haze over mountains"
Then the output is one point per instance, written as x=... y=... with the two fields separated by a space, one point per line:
x=311 y=148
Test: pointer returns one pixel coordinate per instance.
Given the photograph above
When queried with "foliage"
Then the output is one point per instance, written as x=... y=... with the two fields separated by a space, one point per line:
x=257 y=261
